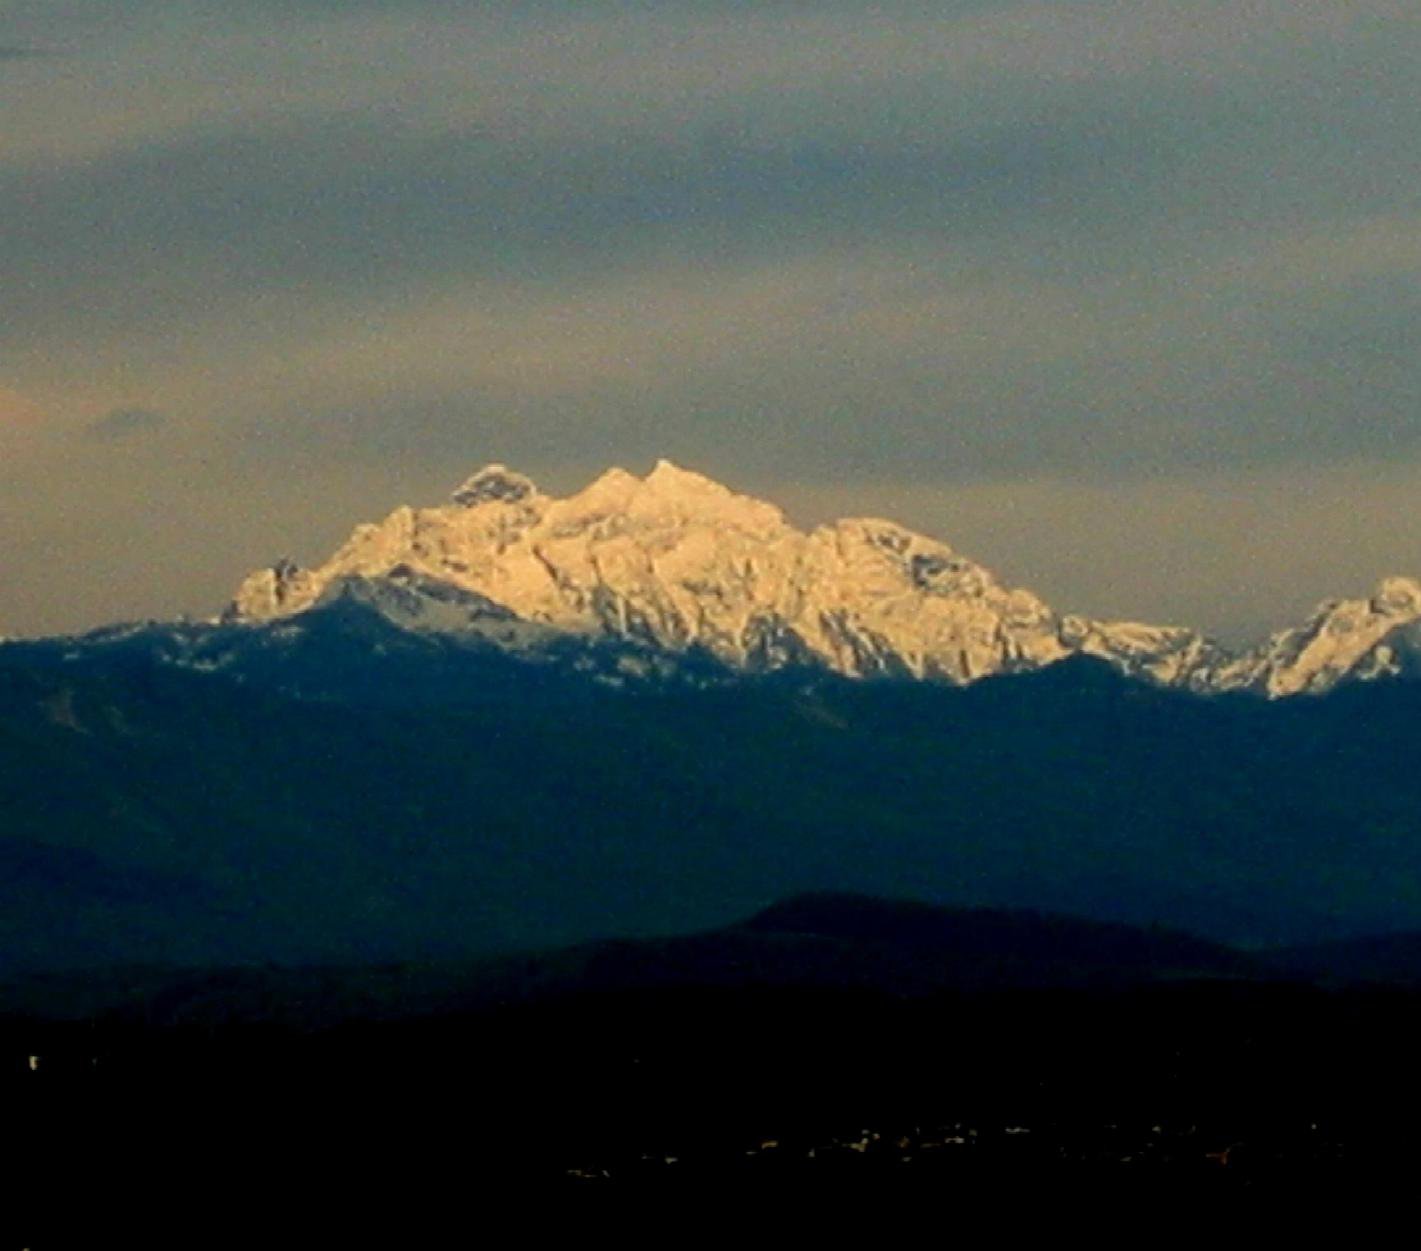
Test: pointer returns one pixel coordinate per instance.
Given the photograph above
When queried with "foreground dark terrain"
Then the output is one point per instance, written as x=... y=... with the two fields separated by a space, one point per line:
x=830 y=1040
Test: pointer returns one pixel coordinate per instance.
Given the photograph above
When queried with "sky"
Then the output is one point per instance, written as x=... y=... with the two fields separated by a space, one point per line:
x=1119 y=297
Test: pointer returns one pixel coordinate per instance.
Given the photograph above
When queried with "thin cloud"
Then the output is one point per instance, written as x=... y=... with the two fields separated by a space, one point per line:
x=125 y=423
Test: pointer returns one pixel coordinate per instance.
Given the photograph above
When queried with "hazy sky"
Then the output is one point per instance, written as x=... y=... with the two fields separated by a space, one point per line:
x=1117 y=296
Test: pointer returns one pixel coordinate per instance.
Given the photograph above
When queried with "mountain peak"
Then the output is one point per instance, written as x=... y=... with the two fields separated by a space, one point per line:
x=669 y=476
x=1397 y=597
x=494 y=482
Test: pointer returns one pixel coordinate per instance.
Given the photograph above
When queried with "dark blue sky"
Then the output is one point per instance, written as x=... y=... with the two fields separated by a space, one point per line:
x=1120 y=298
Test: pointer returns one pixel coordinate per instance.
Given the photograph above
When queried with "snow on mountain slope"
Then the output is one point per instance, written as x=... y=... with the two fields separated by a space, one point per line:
x=1168 y=655
x=1356 y=639
x=674 y=561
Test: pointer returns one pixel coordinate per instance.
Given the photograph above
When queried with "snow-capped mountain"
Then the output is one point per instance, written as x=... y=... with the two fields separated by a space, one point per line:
x=674 y=561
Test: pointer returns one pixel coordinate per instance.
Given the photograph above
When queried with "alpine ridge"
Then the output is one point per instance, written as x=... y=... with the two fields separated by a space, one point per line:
x=674 y=561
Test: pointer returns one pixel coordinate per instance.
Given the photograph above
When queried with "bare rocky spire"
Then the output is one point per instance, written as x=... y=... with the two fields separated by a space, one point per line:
x=494 y=483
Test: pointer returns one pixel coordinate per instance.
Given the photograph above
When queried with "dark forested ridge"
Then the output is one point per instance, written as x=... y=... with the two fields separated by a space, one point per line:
x=153 y=814
x=828 y=1039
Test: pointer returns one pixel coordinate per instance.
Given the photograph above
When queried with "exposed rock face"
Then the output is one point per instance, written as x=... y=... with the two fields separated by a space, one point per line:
x=275 y=592
x=675 y=560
